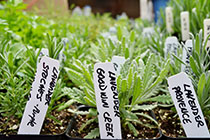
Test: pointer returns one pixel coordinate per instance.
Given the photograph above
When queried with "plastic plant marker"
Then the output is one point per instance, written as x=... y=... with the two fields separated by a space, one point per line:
x=61 y=56
x=171 y=45
x=118 y=61
x=87 y=10
x=169 y=19
x=40 y=96
x=107 y=101
x=186 y=55
x=144 y=9
x=150 y=11
x=187 y=106
x=207 y=31
x=185 y=25
x=43 y=52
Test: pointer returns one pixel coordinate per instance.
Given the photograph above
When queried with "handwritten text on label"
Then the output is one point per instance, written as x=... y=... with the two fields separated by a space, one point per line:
x=107 y=101
x=40 y=96
x=186 y=56
x=171 y=45
x=187 y=106
x=185 y=25
x=169 y=19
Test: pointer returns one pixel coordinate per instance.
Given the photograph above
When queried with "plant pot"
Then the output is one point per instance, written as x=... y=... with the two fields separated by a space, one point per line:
x=170 y=138
x=33 y=137
x=72 y=124
x=3 y=90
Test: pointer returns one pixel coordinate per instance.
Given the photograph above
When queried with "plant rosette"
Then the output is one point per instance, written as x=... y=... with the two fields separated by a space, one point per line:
x=77 y=129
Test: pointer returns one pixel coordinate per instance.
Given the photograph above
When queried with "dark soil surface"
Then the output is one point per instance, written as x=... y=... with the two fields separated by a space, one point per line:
x=169 y=121
x=144 y=132
x=10 y=126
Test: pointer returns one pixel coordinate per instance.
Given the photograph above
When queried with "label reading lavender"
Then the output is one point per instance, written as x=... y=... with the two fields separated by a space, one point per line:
x=40 y=96
x=118 y=61
x=207 y=31
x=171 y=45
x=185 y=25
x=107 y=101
x=186 y=56
x=169 y=19
x=187 y=106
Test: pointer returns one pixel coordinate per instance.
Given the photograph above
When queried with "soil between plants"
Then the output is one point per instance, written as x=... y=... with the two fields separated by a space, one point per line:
x=144 y=132
x=169 y=121
x=10 y=126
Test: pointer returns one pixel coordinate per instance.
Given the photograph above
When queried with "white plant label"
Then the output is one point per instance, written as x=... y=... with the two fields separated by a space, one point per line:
x=43 y=52
x=107 y=101
x=185 y=25
x=207 y=31
x=118 y=61
x=187 y=106
x=148 y=31
x=186 y=56
x=171 y=45
x=61 y=56
x=169 y=19
x=40 y=96
x=144 y=9
x=150 y=11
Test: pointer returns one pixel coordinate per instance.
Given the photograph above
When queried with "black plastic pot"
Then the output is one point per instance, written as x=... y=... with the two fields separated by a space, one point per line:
x=3 y=90
x=72 y=125
x=33 y=137
x=170 y=138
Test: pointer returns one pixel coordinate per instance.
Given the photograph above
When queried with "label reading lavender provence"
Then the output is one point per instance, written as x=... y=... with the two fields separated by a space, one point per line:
x=187 y=106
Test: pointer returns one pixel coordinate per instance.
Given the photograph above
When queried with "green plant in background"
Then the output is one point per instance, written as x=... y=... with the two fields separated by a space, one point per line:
x=121 y=43
x=138 y=83
x=156 y=42
x=77 y=48
x=12 y=100
x=198 y=11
